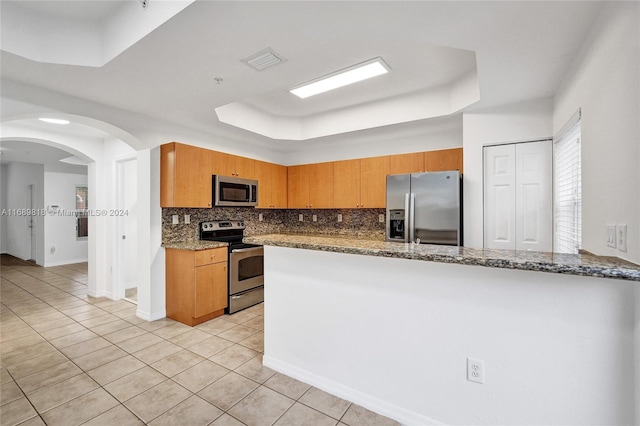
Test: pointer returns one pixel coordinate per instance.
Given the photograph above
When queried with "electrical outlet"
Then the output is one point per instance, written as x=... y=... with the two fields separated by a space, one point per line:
x=175 y=219
x=381 y=218
x=260 y=217
x=611 y=236
x=622 y=237
x=187 y=219
x=339 y=217
x=315 y=217
x=300 y=217
x=475 y=370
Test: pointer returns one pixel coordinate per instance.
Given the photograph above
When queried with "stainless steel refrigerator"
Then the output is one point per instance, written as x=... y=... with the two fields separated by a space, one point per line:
x=425 y=208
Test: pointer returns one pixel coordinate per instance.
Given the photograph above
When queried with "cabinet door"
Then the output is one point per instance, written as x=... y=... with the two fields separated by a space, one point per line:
x=223 y=164
x=245 y=167
x=192 y=179
x=262 y=172
x=321 y=185
x=210 y=289
x=346 y=184
x=406 y=163
x=443 y=160
x=298 y=187
x=373 y=182
x=278 y=186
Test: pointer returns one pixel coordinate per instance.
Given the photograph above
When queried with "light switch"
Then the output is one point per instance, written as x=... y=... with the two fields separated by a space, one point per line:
x=611 y=236
x=260 y=217
x=622 y=237
x=187 y=219
x=300 y=217
x=315 y=217
x=339 y=217
x=175 y=219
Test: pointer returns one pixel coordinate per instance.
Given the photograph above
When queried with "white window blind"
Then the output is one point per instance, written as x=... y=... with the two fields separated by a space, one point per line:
x=567 y=188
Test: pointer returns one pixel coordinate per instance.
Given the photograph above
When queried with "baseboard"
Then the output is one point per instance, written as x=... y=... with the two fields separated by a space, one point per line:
x=367 y=401
x=65 y=262
x=147 y=316
x=96 y=294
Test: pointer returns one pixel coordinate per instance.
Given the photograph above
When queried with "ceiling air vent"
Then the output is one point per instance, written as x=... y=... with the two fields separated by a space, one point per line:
x=263 y=59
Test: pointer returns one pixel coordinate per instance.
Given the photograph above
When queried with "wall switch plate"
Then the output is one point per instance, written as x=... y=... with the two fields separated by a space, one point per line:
x=315 y=217
x=260 y=217
x=339 y=217
x=175 y=219
x=381 y=218
x=611 y=236
x=621 y=231
x=475 y=370
x=187 y=219
x=300 y=217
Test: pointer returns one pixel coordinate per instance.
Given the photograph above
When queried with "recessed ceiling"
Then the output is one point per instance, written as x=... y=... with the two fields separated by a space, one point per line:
x=517 y=50
x=36 y=153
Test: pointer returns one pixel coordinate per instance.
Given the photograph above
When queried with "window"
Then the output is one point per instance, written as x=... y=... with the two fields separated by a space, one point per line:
x=568 y=188
x=82 y=220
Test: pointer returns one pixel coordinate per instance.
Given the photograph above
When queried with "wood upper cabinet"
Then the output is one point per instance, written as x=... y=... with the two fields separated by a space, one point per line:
x=360 y=183
x=406 y=163
x=346 y=184
x=196 y=284
x=272 y=185
x=310 y=186
x=443 y=160
x=373 y=182
x=185 y=176
x=232 y=165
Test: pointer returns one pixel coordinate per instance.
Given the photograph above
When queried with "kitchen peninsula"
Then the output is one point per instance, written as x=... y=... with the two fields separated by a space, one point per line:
x=392 y=327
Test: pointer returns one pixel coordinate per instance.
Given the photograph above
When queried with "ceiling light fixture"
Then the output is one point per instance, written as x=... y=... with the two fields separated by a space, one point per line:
x=54 y=120
x=371 y=68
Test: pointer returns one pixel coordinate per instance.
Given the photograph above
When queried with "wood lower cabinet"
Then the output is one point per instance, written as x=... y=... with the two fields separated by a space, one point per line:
x=196 y=284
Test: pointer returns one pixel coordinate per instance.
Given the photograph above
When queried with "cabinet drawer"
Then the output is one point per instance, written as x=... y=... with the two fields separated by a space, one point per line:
x=205 y=257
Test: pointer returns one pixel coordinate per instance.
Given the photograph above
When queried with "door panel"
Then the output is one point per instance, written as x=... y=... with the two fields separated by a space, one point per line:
x=534 y=203
x=499 y=197
x=211 y=288
x=518 y=204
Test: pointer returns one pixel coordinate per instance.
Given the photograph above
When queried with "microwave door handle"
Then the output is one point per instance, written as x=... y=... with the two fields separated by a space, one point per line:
x=412 y=217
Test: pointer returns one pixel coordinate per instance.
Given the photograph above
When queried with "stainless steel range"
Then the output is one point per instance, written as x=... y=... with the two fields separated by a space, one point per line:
x=246 y=263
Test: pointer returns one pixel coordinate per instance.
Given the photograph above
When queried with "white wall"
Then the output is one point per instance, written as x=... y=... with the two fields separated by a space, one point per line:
x=425 y=135
x=393 y=335
x=605 y=83
x=61 y=246
x=3 y=205
x=18 y=177
x=527 y=121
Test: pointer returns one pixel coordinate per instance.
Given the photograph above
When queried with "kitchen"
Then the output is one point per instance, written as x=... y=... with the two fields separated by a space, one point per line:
x=526 y=115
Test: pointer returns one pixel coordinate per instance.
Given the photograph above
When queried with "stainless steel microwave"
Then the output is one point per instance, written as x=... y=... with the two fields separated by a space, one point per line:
x=234 y=191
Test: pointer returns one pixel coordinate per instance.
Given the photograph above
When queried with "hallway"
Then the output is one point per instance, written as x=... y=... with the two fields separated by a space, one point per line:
x=70 y=359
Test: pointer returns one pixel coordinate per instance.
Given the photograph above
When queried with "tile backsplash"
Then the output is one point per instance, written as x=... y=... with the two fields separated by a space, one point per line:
x=362 y=223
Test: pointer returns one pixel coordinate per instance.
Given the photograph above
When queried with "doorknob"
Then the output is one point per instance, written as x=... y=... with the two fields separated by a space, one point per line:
x=124 y=237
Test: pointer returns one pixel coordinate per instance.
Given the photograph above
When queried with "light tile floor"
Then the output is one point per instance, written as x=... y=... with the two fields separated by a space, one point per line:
x=70 y=359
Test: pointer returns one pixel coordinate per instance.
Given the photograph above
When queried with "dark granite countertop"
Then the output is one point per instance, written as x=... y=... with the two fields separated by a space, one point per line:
x=194 y=245
x=573 y=264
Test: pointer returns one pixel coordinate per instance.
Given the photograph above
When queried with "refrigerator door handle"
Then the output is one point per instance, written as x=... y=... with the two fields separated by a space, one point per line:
x=407 y=217
x=412 y=215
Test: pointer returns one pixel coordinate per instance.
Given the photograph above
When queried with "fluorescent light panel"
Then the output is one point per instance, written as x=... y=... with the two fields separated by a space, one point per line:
x=363 y=71
x=54 y=120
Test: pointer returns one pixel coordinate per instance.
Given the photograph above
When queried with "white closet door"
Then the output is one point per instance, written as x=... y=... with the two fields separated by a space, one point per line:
x=518 y=196
x=499 y=197
x=534 y=208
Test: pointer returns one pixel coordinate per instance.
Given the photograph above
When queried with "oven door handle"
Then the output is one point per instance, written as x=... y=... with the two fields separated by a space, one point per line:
x=246 y=250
